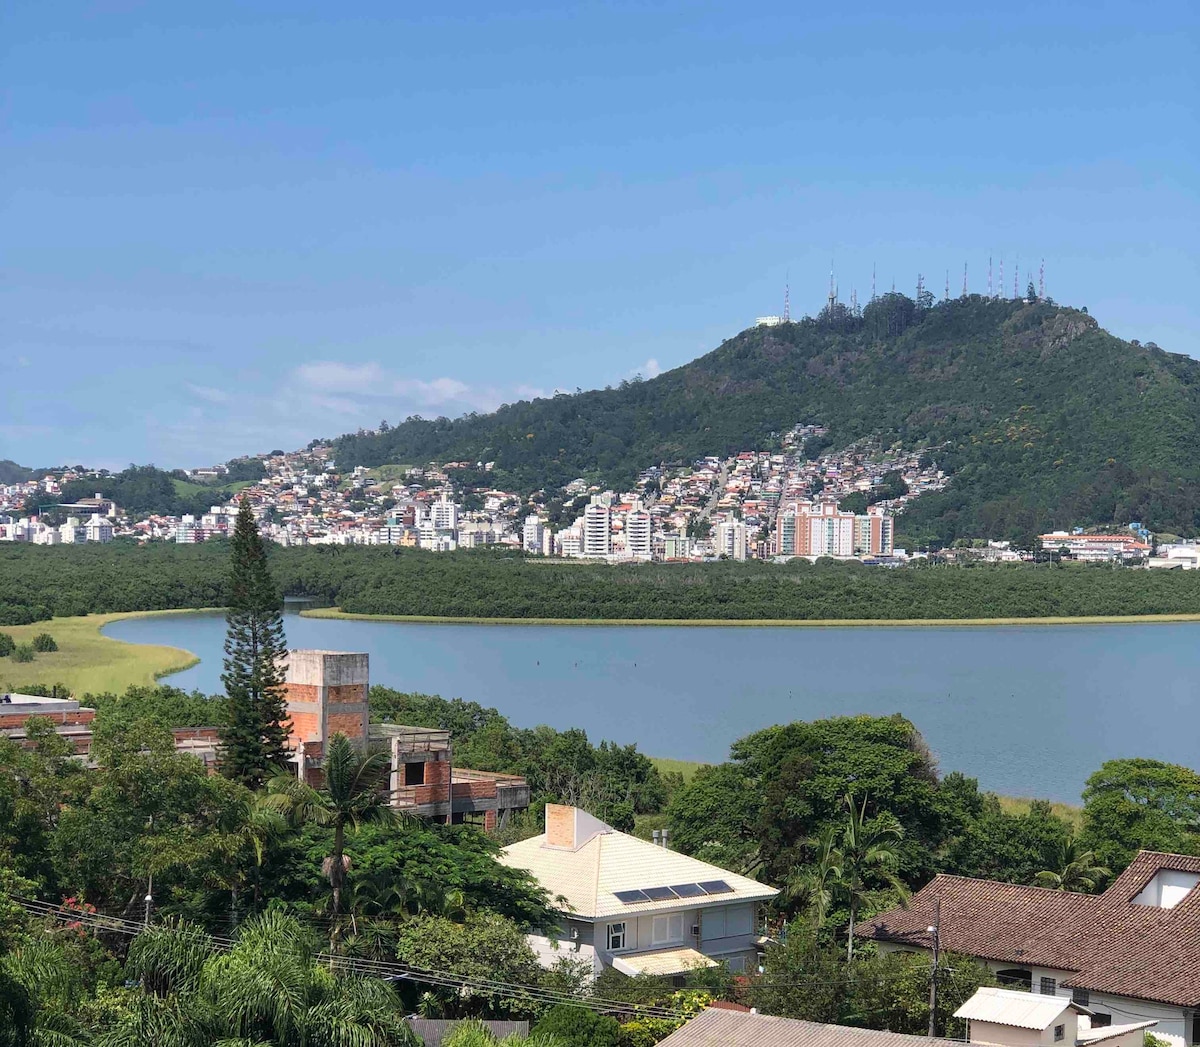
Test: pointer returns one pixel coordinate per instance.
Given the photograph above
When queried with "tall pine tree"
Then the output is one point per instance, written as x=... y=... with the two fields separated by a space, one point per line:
x=254 y=740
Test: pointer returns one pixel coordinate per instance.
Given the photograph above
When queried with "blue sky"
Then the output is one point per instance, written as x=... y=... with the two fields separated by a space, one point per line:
x=233 y=227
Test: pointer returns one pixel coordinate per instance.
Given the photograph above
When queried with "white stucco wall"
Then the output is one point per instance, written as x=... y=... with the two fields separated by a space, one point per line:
x=1174 y=1023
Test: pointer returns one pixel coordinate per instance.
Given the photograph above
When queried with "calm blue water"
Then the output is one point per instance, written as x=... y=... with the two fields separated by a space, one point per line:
x=1027 y=710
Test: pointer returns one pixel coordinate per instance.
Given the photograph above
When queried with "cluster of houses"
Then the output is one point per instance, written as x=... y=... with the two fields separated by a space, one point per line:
x=1072 y=968
x=748 y=505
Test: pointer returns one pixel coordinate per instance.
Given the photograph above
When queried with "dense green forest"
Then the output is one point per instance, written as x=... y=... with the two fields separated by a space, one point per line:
x=1044 y=419
x=37 y=582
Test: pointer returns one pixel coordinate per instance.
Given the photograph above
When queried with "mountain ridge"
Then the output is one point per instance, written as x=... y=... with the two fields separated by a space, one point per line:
x=1041 y=417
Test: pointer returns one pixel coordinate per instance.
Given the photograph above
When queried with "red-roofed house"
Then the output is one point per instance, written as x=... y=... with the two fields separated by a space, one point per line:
x=1130 y=954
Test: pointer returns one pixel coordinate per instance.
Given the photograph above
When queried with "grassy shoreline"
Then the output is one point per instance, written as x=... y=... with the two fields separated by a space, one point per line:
x=87 y=660
x=824 y=623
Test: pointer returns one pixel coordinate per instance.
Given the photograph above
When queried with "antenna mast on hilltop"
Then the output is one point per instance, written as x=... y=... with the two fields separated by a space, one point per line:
x=1017 y=278
x=832 y=288
x=920 y=289
x=787 y=305
x=1042 y=281
x=872 y=281
x=1001 y=294
x=989 y=276
x=964 y=294
x=947 y=298
x=854 y=301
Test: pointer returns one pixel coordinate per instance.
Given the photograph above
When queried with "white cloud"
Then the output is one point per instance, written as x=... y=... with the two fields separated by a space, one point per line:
x=438 y=391
x=650 y=369
x=207 y=392
x=330 y=376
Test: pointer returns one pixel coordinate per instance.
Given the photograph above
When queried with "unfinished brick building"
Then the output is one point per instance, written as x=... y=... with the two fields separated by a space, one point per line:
x=327 y=694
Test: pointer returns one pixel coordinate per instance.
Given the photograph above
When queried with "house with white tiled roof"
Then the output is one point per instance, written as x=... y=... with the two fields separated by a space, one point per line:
x=636 y=905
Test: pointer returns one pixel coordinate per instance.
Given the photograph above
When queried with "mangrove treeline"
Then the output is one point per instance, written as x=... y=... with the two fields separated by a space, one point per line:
x=40 y=582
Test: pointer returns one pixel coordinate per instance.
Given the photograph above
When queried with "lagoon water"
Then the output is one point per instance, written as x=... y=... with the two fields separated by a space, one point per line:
x=1028 y=710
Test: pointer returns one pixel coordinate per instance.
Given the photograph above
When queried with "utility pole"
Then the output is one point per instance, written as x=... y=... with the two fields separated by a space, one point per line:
x=935 y=933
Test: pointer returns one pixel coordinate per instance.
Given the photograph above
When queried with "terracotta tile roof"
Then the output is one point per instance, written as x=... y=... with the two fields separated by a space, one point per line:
x=1106 y=942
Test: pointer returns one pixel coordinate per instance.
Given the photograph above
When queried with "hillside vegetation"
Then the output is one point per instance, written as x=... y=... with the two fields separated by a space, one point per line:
x=1043 y=419
x=37 y=582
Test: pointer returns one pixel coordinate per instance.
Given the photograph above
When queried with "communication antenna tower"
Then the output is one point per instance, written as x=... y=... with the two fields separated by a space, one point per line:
x=964 y=294
x=989 y=276
x=1017 y=278
x=832 y=288
x=1042 y=281
x=872 y=281
x=787 y=305
x=920 y=289
x=1001 y=294
x=947 y=298
x=854 y=301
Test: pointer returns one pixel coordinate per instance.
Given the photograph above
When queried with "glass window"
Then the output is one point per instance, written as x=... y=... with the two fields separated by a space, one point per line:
x=1081 y=997
x=668 y=928
x=616 y=936
x=1059 y=1032
x=1048 y=987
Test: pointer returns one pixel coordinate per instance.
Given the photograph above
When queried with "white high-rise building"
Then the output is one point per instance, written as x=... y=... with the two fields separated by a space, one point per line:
x=731 y=539
x=597 y=528
x=637 y=533
x=99 y=529
x=532 y=534
x=443 y=515
x=72 y=531
x=569 y=542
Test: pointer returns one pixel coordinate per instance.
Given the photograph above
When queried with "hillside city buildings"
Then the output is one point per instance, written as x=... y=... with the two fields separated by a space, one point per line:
x=797 y=500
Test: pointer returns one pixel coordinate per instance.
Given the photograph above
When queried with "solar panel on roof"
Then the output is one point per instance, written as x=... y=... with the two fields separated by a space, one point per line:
x=659 y=894
x=628 y=897
x=687 y=890
x=716 y=887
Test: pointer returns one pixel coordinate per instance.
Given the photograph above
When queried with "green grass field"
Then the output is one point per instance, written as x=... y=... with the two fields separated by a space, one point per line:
x=1020 y=805
x=88 y=661
x=687 y=768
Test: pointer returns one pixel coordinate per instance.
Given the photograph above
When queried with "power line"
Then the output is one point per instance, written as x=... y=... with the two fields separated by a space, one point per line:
x=384 y=969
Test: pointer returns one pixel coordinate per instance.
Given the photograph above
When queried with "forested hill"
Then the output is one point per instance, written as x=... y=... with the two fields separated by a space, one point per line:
x=1042 y=418
x=11 y=473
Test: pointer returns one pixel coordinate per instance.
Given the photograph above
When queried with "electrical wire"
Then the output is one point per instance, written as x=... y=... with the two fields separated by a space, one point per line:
x=384 y=969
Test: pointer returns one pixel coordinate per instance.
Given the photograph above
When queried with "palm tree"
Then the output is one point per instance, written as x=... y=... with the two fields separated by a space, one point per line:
x=867 y=853
x=813 y=886
x=1075 y=869
x=267 y=991
x=353 y=795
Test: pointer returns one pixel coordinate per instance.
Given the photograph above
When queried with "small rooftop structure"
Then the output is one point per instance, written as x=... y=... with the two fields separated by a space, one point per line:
x=1006 y=1017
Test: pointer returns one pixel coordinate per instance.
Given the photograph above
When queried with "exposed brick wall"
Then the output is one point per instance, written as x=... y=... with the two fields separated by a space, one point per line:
x=352 y=725
x=305 y=727
x=353 y=692
x=489 y=821
x=302 y=692
x=437 y=772
x=75 y=718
